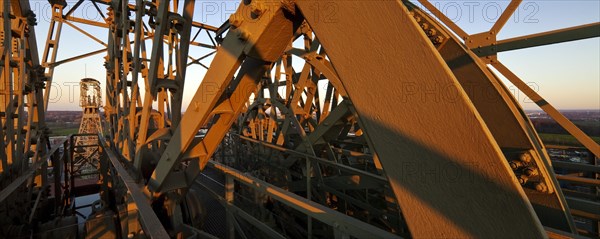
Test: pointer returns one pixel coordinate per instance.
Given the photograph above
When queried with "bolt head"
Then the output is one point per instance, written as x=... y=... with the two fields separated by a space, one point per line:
x=256 y=8
x=522 y=180
x=541 y=187
x=530 y=171
x=235 y=21
x=514 y=165
x=439 y=39
x=525 y=157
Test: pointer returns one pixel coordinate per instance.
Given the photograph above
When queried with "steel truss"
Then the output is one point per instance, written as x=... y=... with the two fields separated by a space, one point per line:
x=345 y=145
x=23 y=144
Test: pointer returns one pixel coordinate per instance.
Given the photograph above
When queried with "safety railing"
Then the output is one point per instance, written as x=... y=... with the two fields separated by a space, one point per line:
x=149 y=221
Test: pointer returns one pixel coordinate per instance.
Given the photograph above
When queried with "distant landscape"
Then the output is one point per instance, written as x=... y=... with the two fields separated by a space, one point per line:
x=62 y=123
x=553 y=134
x=67 y=122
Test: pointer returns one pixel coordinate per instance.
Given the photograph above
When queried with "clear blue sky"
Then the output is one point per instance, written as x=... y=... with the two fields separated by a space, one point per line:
x=567 y=75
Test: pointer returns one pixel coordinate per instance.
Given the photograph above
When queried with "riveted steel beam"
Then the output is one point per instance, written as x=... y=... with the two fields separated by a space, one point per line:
x=406 y=130
x=250 y=38
x=503 y=116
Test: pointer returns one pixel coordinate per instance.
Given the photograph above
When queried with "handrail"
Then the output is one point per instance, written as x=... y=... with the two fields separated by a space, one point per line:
x=23 y=178
x=349 y=225
x=576 y=166
x=148 y=219
x=318 y=159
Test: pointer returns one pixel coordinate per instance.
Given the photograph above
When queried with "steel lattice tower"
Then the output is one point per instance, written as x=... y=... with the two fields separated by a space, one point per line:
x=90 y=100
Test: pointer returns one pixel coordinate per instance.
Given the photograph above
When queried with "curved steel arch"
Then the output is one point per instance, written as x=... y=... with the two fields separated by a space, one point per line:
x=407 y=135
x=455 y=146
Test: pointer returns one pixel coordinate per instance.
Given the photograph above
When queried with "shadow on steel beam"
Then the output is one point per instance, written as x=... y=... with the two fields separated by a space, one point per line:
x=477 y=204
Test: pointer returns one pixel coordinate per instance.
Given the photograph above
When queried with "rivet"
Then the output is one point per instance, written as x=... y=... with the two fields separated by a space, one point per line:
x=257 y=8
x=525 y=157
x=541 y=187
x=235 y=21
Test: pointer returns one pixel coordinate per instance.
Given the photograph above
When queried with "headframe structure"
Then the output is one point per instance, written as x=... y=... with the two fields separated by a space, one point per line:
x=90 y=100
x=330 y=130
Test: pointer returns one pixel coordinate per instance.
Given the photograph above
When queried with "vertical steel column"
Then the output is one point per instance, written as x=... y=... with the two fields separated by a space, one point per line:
x=137 y=65
x=181 y=62
x=51 y=49
x=5 y=89
x=153 y=73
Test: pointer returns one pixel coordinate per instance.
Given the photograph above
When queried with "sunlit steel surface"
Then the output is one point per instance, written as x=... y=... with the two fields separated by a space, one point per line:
x=310 y=138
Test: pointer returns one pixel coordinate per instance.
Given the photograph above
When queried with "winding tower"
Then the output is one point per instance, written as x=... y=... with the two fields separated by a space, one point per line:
x=90 y=100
